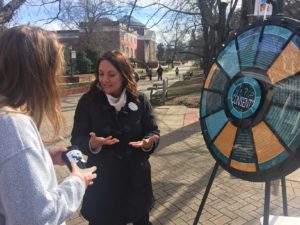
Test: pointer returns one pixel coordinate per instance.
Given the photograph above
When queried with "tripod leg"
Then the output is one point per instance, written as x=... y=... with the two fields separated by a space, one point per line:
x=211 y=179
x=284 y=198
x=267 y=203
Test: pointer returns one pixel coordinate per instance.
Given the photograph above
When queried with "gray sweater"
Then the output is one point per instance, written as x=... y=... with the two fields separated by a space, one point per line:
x=29 y=193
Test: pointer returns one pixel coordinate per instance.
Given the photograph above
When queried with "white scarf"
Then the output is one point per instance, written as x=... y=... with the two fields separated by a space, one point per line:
x=119 y=102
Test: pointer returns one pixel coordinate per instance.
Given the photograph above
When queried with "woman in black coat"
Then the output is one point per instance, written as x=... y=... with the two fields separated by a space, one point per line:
x=115 y=127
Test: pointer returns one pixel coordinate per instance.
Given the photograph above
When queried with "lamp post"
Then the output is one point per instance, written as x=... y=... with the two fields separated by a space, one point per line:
x=71 y=63
x=72 y=56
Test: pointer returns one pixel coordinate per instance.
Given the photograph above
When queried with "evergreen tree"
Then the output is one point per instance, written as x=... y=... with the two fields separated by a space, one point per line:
x=160 y=52
x=84 y=64
x=93 y=56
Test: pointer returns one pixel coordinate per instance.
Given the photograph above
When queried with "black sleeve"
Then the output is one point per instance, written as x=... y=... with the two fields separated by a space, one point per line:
x=149 y=124
x=82 y=126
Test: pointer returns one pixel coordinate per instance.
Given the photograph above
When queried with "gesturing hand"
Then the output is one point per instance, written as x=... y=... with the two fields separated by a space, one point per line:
x=146 y=143
x=97 y=142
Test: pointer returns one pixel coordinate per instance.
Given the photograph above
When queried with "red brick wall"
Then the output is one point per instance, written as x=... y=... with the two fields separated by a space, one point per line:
x=128 y=44
x=72 y=91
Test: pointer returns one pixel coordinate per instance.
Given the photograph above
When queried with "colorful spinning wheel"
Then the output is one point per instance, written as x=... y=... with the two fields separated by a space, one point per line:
x=250 y=102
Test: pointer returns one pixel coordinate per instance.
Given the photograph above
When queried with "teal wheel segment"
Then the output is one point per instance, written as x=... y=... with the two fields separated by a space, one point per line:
x=273 y=40
x=228 y=59
x=296 y=41
x=244 y=149
x=248 y=45
x=218 y=82
x=213 y=124
x=287 y=92
x=283 y=115
x=285 y=122
x=211 y=102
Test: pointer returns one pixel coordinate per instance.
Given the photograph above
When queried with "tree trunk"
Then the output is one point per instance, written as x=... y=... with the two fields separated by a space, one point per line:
x=206 y=52
x=246 y=11
x=221 y=24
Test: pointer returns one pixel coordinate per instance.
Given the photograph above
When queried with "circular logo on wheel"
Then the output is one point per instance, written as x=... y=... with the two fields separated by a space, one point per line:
x=244 y=97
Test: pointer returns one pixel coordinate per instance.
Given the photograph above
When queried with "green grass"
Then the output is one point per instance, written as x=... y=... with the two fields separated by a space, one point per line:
x=186 y=92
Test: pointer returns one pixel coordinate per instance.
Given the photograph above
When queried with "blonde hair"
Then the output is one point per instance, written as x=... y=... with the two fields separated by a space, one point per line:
x=30 y=60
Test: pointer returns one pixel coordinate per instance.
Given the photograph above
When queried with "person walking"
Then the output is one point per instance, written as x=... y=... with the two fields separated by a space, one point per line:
x=177 y=71
x=115 y=126
x=30 y=60
x=149 y=73
x=159 y=72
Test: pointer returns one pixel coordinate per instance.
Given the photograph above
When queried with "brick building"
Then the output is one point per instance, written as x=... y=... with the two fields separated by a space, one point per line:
x=146 y=46
x=135 y=40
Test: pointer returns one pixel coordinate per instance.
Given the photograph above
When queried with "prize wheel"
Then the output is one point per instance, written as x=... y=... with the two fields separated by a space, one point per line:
x=250 y=102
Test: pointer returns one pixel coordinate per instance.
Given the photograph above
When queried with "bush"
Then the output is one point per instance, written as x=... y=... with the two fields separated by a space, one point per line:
x=84 y=64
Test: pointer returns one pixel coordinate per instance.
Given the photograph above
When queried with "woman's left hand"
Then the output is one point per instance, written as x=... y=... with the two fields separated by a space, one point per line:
x=55 y=154
x=146 y=143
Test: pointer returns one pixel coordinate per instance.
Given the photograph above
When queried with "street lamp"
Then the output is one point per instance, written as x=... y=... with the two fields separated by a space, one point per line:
x=72 y=56
x=70 y=48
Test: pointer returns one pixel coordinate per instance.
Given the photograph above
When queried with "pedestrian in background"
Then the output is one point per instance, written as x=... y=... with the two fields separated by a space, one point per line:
x=30 y=60
x=159 y=72
x=149 y=73
x=177 y=71
x=115 y=126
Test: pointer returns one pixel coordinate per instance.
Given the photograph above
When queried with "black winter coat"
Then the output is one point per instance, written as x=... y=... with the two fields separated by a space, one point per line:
x=122 y=191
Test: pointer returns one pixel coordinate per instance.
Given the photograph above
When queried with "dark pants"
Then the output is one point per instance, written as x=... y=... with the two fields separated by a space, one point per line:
x=143 y=221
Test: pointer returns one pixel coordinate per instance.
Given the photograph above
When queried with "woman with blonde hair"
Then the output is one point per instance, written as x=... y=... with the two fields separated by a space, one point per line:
x=30 y=60
x=115 y=126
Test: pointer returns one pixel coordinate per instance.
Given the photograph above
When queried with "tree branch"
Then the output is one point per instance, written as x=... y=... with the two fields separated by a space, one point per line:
x=9 y=10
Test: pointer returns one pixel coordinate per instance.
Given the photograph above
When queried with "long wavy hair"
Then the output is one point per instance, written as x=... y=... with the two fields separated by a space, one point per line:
x=30 y=61
x=122 y=64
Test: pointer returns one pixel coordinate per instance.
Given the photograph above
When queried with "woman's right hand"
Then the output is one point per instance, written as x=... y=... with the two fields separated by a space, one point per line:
x=97 y=142
x=86 y=175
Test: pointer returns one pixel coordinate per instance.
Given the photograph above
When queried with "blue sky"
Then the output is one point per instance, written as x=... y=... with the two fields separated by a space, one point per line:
x=34 y=14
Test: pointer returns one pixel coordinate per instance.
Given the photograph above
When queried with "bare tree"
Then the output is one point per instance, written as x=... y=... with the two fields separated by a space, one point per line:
x=10 y=8
x=211 y=16
x=216 y=27
x=246 y=10
x=176 y=35
x=85 y=14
